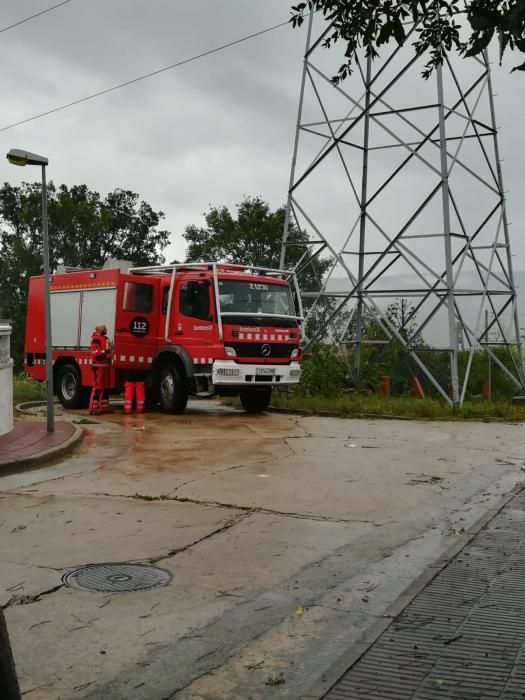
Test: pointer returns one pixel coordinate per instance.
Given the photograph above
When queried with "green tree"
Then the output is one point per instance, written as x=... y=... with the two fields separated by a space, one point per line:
x=372 y=23
x=85 y=230
x=253 y=237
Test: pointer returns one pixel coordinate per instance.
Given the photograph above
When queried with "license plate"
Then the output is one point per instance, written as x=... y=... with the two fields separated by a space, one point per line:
x=265 y=371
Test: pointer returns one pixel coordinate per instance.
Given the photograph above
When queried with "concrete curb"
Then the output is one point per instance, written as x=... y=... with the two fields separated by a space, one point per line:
x=352 y=656
x=44 y=456
x=26 y=405
x=306 y=412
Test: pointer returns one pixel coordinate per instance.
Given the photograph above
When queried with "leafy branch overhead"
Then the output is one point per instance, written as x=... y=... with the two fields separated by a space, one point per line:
x=439 y=27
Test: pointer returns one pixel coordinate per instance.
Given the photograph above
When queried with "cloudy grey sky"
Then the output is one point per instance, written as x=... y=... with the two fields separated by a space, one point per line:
x=206 y=133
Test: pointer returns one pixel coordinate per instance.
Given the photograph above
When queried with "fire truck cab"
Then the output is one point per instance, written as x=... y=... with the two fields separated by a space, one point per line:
x=185 y=329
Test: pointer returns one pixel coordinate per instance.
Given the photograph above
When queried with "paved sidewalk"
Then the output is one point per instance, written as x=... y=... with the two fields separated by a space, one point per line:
x=463 y=636
x=29 y=442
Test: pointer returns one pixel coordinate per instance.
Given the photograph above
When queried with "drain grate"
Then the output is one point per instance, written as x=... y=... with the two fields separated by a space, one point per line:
x=117 y=577
x=463 y=636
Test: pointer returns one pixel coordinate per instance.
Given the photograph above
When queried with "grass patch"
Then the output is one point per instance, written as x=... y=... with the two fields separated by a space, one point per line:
x=403 y=407
x=27 y=389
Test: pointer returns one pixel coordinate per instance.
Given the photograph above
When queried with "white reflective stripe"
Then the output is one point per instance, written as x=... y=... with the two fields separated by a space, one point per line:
x=210 y=360
x=123 y=358
x=279 y=337
x=257 y=336
x=272 y=337
x=249 y=336
x=287 y=338
x=241 y=336
x=132 y=358
x=141 y=359
x=265 y=337
x=150 y=360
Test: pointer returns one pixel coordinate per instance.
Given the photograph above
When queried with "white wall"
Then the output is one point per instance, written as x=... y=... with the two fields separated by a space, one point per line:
x=6 y=381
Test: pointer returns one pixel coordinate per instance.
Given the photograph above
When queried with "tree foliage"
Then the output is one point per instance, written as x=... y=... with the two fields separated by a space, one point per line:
x=369 y=24
x=85 y=230
x=253 y=237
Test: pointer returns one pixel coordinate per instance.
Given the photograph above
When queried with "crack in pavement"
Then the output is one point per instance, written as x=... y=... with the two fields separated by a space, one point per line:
x=226 y=526
x=29 y=599
x=271 y=511
x=213 y=473
x=211 y=503
x=229 y=506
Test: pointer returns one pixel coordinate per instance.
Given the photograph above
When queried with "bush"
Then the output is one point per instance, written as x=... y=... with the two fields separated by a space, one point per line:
x=324 y=373
x=27 y=389
x=357 y=405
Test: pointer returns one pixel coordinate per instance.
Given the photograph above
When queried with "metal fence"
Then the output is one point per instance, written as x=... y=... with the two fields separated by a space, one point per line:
x=5 y=346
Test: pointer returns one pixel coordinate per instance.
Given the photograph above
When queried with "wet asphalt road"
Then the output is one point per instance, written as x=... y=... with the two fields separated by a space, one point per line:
x=287 y=539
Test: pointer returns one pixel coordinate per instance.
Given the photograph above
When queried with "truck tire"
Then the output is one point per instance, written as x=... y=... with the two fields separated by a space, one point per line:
x=69 y=389
x=255 y=400
x=152 y=396
x=173 y=390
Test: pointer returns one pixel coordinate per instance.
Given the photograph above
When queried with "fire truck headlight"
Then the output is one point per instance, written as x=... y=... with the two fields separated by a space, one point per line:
x=231 y=352
x=295 y=353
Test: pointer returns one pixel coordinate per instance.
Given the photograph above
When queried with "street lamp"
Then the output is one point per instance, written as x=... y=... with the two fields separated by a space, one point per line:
x=20 y=157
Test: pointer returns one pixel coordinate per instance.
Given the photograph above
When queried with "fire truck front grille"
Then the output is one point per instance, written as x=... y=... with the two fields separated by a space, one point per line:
x=277 y=350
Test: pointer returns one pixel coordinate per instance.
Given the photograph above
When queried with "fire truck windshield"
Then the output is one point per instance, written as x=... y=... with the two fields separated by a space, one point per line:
x=238 y=296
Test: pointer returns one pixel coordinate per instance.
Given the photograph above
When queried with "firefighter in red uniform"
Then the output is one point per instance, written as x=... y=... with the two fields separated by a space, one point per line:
x=101 y=351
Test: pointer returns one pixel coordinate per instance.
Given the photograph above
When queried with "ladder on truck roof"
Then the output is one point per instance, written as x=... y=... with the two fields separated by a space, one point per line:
x=111 y=264
x=215 y=268
x=209 y=267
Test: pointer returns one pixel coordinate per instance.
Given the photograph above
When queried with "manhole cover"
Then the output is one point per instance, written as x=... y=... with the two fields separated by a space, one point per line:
x=117 y=578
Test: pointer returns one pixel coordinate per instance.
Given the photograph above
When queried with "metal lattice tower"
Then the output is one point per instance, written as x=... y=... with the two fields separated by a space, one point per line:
x=398 y=182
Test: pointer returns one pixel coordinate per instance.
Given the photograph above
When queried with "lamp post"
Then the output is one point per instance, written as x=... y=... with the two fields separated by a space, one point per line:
x=22 y=158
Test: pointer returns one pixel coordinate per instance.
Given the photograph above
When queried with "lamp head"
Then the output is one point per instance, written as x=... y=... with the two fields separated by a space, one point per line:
x=17 y=156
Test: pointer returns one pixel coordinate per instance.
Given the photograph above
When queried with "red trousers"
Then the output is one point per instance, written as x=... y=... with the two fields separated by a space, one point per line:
x=139 y=390
x=101 y=381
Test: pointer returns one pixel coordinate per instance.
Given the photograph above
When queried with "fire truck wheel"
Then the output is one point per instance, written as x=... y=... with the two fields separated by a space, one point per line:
x=255 y=401
x=70 y=391
x=173 y=390
x=152 y=396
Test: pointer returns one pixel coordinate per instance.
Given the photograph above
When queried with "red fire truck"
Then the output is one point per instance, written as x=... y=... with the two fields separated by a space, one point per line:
x=185 y=329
